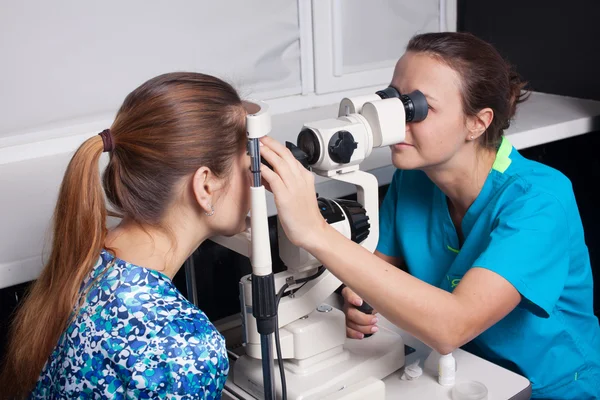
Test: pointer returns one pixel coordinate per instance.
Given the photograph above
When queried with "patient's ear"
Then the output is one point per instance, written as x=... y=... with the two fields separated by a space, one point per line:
x=204 y=185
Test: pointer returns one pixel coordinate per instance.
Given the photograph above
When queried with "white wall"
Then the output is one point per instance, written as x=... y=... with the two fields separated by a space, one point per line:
x=68 y=60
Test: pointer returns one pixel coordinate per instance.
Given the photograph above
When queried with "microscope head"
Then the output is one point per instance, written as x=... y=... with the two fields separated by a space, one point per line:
x=339 y=145
x=334 y=147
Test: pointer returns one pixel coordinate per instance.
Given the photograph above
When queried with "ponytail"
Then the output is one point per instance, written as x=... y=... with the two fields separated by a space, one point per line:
x=78 y=236
x=517 y=95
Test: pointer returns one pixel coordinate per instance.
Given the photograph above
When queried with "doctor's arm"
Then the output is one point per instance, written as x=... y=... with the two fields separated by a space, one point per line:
x=440 y=319
x=358 y=323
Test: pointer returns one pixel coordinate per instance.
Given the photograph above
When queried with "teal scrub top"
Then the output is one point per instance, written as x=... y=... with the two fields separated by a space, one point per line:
x=526 y=227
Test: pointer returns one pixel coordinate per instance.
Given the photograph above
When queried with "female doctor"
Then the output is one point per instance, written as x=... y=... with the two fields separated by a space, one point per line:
x=492 y=242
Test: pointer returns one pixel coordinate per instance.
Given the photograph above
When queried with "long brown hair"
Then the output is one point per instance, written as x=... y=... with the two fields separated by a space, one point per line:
x=166 y=129
x=487 y=79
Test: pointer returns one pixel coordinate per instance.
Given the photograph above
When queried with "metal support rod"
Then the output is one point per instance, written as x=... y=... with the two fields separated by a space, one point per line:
x=254 y=153
x=190 y=280
x=268 y=365
x=264 y=307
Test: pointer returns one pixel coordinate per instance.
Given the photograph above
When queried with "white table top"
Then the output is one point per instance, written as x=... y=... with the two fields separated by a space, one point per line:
x=500 y=382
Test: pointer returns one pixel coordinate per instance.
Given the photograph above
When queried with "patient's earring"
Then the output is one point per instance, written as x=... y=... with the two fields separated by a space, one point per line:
x=212 y=211
x=472 y=137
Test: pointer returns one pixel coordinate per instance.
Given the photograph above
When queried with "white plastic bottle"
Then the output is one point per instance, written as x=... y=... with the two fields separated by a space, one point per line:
x=447 y=370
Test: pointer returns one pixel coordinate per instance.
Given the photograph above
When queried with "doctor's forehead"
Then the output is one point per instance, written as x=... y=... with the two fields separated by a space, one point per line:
x=427 y=73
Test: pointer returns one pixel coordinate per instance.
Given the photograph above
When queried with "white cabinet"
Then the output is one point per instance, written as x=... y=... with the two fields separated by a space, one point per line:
x=357 y=42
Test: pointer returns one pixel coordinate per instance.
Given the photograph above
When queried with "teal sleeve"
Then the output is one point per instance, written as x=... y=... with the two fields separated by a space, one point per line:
x=529 y=247
x=388 y=239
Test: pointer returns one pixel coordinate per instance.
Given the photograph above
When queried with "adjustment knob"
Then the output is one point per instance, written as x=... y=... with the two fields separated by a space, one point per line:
x=341 y=147
x=358 y=218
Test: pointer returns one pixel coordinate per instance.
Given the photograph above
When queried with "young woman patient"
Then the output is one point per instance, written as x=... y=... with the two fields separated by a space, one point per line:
x=104 y=318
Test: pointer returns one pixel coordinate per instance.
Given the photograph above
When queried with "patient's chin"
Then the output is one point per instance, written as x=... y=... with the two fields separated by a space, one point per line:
x=241 y=228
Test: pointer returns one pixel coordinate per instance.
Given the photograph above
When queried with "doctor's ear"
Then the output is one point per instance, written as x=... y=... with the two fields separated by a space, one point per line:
x=478 y=124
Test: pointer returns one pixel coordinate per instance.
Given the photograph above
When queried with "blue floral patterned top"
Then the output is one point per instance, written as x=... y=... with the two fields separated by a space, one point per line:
x=135 y=336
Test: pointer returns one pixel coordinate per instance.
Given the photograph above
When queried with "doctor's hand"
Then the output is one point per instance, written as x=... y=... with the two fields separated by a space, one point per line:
x=294 y=190
x=358 y=324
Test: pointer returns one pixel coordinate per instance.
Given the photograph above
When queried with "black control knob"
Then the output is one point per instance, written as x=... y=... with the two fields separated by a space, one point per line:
x=358 y=218
x=341 y=147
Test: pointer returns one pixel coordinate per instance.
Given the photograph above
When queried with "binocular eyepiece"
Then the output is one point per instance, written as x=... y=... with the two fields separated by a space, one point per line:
x=415 y=103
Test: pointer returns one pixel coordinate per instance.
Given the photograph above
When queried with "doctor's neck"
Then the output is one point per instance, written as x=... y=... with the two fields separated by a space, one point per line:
x=462 y=177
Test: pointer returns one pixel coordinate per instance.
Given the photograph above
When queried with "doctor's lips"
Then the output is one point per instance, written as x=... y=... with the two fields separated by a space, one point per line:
x=402 y=145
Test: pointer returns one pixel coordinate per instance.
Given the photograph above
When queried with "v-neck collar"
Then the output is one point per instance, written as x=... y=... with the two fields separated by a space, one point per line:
x=501 y=164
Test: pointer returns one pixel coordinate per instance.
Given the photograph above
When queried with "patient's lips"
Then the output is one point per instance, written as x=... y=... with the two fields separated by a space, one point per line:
x=401 y=146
